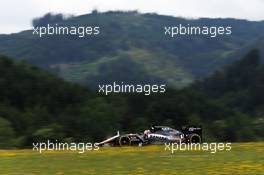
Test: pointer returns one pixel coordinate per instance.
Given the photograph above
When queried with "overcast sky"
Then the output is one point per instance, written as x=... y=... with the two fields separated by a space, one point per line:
x=16 y=15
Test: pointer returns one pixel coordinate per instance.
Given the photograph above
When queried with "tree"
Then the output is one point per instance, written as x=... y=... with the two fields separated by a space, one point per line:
x=6 y=133
x=48 y=18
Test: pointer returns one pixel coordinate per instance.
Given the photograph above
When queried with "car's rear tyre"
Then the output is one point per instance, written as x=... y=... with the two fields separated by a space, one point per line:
x=124 y=141
x=195 y=138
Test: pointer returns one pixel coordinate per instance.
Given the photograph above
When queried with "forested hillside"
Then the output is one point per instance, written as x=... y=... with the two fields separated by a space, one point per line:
x=35 y=105
x=134 y=42
x=239 y=86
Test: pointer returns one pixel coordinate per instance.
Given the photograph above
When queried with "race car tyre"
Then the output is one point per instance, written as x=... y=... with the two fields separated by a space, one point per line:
x=124 y=141
x=195 y=138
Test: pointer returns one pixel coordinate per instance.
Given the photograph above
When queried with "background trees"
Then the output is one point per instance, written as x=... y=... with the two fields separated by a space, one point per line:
x=35 y=105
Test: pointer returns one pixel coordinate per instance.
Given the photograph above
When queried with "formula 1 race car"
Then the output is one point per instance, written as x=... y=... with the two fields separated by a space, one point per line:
x=156 y=135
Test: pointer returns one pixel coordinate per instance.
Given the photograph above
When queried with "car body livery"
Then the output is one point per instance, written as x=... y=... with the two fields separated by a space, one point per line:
x=156 y=135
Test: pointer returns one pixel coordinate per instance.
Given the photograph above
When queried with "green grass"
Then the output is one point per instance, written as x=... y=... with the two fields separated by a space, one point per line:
x=244 y=158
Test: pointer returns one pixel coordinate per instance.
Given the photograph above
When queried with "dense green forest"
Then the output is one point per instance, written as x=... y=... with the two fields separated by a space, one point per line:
x=36 y=105
x=135 y=41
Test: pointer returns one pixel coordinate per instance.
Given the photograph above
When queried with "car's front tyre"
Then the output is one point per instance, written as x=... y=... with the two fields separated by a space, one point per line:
x=124 y=141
